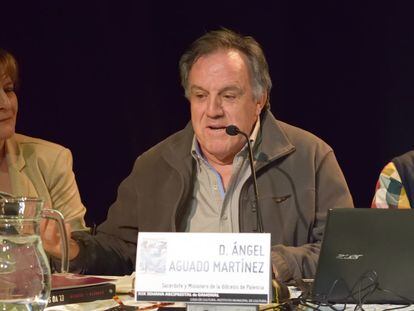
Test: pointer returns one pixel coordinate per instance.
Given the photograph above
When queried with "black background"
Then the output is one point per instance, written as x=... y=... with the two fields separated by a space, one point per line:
x=101 y=78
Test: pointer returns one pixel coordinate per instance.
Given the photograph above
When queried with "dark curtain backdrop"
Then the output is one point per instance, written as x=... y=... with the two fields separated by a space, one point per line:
x=101 y=78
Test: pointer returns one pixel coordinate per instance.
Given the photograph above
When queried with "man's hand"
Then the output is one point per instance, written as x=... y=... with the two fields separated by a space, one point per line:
x=51 y=240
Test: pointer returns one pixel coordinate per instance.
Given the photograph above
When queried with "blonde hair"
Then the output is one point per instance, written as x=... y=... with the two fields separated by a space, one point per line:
x=8 y=66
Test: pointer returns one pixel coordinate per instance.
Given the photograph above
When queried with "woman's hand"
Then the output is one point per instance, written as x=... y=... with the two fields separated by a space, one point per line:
x=51 y=240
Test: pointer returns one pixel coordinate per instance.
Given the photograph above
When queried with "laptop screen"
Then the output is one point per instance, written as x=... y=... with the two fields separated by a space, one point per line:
x=368 y=255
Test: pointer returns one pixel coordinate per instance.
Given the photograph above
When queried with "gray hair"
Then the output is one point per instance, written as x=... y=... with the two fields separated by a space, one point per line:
x=225 y=39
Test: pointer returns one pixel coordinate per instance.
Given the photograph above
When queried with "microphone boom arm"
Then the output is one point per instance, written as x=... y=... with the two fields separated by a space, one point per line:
x=233 y=130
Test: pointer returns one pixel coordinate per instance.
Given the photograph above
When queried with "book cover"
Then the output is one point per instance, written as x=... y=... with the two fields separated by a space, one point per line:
x=74 y=288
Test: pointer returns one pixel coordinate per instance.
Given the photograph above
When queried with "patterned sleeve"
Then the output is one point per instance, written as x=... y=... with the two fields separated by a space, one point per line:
x=390 y=192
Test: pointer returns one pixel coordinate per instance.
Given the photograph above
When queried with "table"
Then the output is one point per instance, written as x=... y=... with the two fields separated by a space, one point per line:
x=124 y=286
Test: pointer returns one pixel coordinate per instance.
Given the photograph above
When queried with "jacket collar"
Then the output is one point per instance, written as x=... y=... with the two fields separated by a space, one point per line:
x=178 y=152
x=14 y=156
x=20 y=182
x=274 y=142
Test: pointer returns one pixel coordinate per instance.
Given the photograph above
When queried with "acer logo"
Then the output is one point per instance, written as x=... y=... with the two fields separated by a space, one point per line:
x=349 y=256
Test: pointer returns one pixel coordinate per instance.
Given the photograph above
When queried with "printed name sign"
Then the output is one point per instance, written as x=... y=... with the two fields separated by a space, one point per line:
x=227 y=268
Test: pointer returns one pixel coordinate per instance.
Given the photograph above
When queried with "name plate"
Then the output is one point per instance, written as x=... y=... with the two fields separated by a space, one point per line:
x=224 y=268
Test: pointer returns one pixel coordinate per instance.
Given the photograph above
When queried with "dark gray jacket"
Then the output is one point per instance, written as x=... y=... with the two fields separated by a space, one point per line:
x=298 y=177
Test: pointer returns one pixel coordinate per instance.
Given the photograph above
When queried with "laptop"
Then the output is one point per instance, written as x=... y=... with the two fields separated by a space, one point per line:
x=367 y=256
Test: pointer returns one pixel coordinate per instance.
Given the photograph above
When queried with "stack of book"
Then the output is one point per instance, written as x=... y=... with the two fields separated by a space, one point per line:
x=74 y=288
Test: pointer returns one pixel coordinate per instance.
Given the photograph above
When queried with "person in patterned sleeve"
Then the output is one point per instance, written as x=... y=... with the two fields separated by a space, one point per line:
x=395 y=186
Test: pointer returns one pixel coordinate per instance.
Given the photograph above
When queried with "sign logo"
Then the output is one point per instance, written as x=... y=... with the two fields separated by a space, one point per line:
x=349 y=256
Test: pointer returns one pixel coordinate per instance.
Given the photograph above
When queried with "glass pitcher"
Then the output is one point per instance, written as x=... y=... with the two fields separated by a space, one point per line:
x=25 y=277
